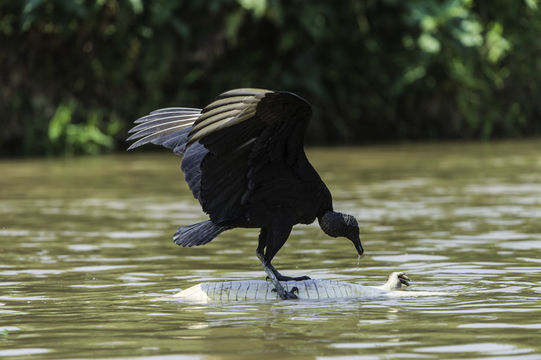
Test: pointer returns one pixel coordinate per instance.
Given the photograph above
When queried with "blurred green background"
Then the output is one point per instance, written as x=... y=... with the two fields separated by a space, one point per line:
x=74 y=74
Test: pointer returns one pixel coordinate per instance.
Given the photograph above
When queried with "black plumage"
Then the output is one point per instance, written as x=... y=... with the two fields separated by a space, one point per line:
x=244 y=161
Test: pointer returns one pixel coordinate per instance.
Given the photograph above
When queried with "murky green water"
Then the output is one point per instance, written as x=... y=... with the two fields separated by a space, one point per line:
x=86 y=249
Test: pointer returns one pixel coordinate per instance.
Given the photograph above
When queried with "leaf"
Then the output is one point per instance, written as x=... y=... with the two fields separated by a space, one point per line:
x=532 y=4
x=60 y=120
x=31 y=5
x=257 y=7
x=29 y=13
x=497 y=46
x=137 y=6
x=469 y=34
x=428 y=43
x=233 y=22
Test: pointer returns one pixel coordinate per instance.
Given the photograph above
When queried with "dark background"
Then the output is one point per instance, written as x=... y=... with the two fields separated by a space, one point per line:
x=75 y=74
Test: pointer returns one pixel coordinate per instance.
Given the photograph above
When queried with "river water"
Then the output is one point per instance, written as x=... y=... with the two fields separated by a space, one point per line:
x=86 y=260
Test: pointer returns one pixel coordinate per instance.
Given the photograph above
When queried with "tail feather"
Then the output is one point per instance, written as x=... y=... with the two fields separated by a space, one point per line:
x=167 y=127
x=198 y=234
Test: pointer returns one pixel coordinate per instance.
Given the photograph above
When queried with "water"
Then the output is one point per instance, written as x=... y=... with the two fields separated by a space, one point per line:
x=86 y=252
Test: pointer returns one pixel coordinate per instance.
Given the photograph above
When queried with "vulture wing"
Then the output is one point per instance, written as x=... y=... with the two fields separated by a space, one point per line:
x=242 y=149
x=253 y=140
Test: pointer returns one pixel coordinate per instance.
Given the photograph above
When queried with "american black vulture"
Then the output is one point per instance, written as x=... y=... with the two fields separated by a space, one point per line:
x=244 y=160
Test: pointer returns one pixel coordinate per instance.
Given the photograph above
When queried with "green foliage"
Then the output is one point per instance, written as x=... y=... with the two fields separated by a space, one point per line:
x=71 y=138
x=74 y=74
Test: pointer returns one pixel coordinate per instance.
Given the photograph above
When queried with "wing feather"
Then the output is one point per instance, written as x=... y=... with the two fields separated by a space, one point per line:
x=204 y=121
x=158 y=114
x=168 y=127
x=143 y=131
x=171 y=109
x=230 y=108
x=157 y=135
x=162 y=120
x=230 y=100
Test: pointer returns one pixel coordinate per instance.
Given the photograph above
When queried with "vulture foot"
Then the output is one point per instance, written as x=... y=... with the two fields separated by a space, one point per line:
x=281 y=277
x=288 y=295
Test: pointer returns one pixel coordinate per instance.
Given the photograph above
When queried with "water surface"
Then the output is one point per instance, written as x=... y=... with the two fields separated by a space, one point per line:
x=86 y=252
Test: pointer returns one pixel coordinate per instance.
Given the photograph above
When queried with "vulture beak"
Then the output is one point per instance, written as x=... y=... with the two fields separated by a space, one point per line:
x=357 y=243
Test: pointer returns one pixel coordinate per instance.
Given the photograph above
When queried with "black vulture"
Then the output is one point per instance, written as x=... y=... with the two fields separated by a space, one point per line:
x=244 y=160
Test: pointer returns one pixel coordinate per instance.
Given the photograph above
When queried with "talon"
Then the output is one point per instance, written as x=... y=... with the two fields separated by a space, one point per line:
x=290 y=295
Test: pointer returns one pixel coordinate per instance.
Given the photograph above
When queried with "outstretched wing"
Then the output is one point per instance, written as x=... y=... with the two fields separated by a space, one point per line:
x=254 y=139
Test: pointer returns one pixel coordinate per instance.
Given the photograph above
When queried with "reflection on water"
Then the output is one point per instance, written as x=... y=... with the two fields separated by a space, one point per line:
x=86 y=252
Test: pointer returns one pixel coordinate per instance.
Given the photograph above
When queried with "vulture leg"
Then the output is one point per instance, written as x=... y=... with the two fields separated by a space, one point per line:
x=273 y=240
